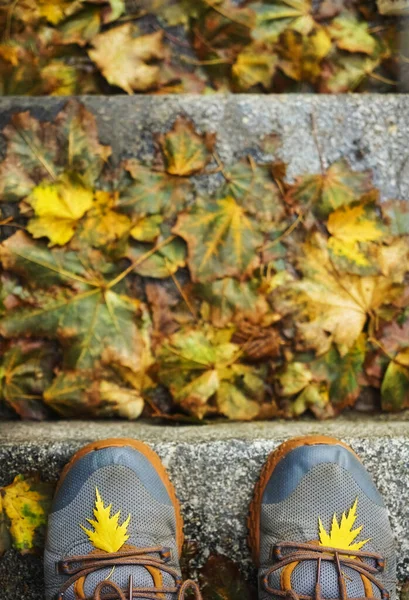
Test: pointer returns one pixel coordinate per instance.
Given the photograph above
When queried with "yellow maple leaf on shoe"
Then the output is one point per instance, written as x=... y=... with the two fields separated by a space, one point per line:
x=108 y=535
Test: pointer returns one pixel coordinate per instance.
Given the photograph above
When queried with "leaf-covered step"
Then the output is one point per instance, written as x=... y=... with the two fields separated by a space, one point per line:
x=183 y=286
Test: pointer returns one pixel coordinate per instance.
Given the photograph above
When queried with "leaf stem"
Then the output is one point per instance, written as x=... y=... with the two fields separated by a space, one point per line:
x=140 y=260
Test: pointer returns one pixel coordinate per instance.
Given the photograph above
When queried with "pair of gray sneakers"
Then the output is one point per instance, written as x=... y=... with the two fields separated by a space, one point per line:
x=318 y=528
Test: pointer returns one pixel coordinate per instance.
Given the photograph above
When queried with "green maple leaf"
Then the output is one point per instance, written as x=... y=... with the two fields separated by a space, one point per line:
x=351 y=35
x=89 y=394
x=395 y=384
x=94 y=320
x=274 y=18
x=253 y=187
x=152 y=192
x=222 y=239
x=338 y=186
x=198 y=366
x=26 y=369
x=39 y=152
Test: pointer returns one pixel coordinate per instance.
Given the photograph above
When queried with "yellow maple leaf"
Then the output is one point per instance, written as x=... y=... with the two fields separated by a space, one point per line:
x=108 y=535
x=342 y=534
x=351 y=226
x=25 y=502
x=58 y=206
x=123 y=58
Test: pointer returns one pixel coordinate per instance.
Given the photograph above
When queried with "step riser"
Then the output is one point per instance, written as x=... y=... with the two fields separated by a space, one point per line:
x=214 y=481
x=370 y=130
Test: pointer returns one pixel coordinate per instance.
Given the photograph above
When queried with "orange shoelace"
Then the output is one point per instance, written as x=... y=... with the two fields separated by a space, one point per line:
x=288 y=552
x=82 y=566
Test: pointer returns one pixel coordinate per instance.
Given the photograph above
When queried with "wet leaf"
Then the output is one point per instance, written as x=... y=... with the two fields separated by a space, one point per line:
x=185 y=151
x=222 y=240
x=25 y=505
x=124 y=58
x=301 y=55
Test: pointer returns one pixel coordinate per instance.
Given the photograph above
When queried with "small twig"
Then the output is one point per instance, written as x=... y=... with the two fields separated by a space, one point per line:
x=316 y=140
x=286 y=233
x=140 y=260
x=181 y=292
x=386 y=353
x=382 y=79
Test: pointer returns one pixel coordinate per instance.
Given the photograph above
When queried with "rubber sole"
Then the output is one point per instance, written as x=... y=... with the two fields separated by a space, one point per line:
x=253 y=522
x=153 y=459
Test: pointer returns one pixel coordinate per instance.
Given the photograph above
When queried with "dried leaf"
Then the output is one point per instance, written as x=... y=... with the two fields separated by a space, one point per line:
x=124 y=58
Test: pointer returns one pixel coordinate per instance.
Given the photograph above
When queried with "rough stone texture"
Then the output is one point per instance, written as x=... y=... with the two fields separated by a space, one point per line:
x=370 y=130
x=213 y=468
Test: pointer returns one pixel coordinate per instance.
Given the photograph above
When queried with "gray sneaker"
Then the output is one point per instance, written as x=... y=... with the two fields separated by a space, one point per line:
x=115 y=531
x=318 y=527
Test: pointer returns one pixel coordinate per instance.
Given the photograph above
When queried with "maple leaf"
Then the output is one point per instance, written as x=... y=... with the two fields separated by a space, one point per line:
x=347 y=73
x=162 y=263
x=343 y=374
x=273 y=19
x=395 y=384
x=69 y=300
x=353 y=228
x=228 y=300
x=301 y=55
x=342 y=534
x=200 y=365
x=338 y=186
x=152 y=192
x=42 y=151
x=58 y=207
x=26 y=369
x=255 y=65
x=104 y=225
x=222 y=239
x=26 y=503
x=147 y=229
x=83 y=393
x=298 y=380
x=123 y=58
x=338 y=303
x=253 y=187
x=396 y=215
x=185 y=151
x=108 y=535
x=351 y=35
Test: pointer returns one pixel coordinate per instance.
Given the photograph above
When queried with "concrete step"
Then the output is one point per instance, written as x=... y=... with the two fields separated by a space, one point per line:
x=213 y=468
x=370 y=130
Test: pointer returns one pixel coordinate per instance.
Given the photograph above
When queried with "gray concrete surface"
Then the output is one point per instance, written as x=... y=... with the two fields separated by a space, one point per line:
x=370 y=130
x=214 y=469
